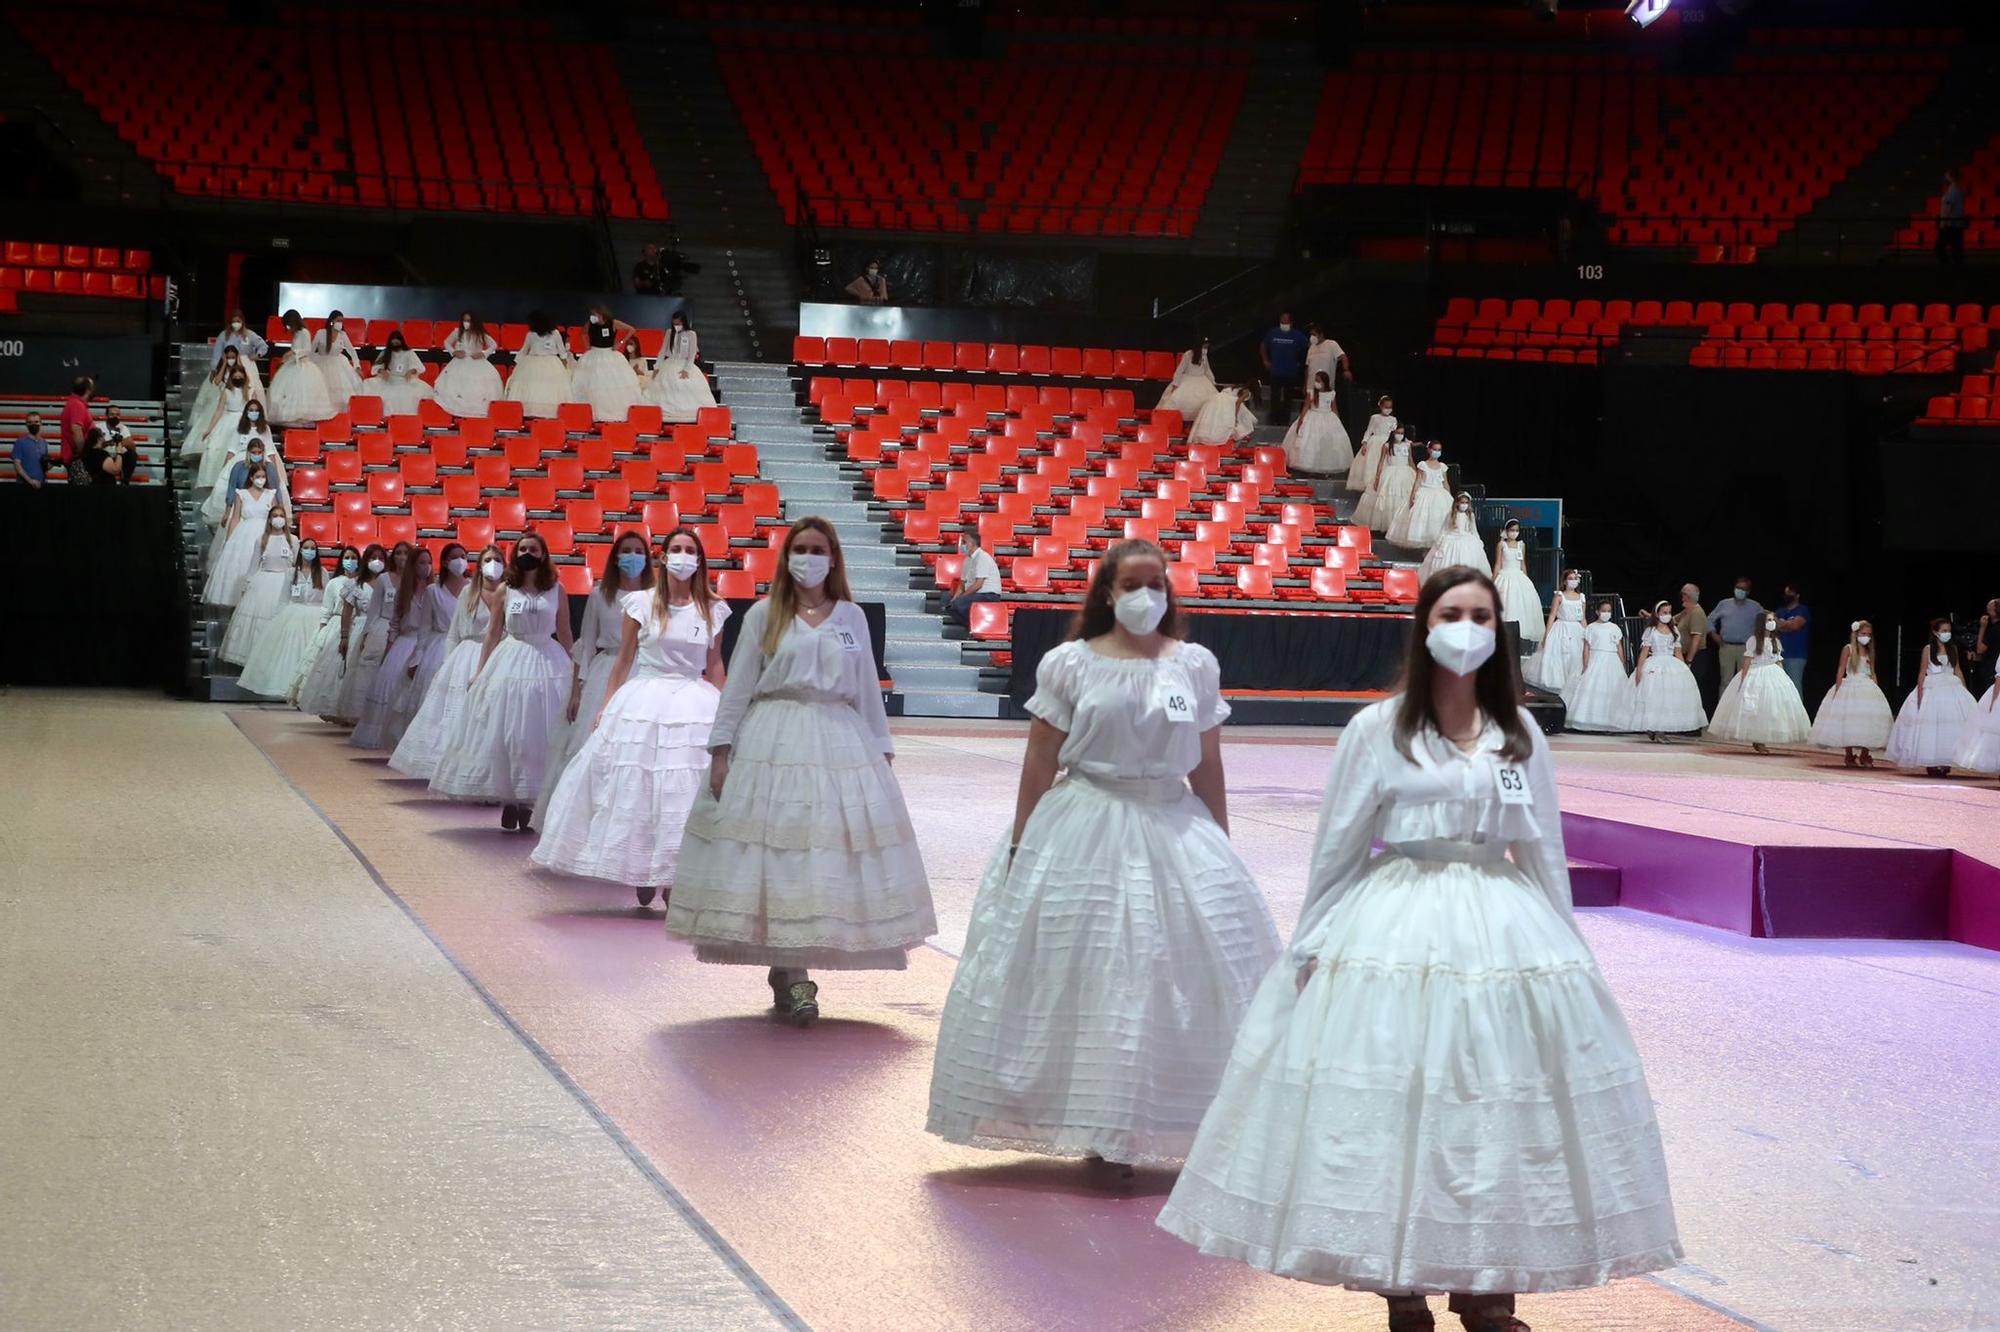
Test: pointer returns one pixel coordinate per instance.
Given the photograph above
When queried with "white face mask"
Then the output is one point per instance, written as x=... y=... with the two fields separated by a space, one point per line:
x=277 y=521
x=682 y=564
x=1460 y=646
x=1603 y=616
x=1140 y=610
x=810 y=570
x=1284 y=327
x=1571 y=583
x=493 y=569
x=257 y=482
x=1665 y=617
x=1944 y=636
x=1769 y=625
x=236 y=326
x=1864 y=639
x=455 y=566
x=595 y=320
x=466 y=324
x=376 y=566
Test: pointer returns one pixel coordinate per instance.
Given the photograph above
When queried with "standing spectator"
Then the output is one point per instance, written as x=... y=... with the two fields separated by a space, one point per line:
x=1283 y=352
x=1691 y=624
x=1984 y=656
x=31 y=454
x=1794 y=627
x=978 y=580
x=1951 y=222
x=1730 y=625
x=871 y=288
x=76 y=420
x=647 y=278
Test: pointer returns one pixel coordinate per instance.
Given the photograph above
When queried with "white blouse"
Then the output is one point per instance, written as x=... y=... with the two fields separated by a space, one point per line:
x=1661 y=642
x=1603 y=636
x=677 y=648
x=833 y=663
x=334 y=595
x=402 y=362
x=603 y=627
x=1431 y=475
x=680 y=352
x=478 y=346
x=1772 y=655
x=545 y=344
x=1380 y=426
x=1130 y=718
x=329 y=342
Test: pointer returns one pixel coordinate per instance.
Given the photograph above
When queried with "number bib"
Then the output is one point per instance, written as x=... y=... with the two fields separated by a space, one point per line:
x=849 y=641
x=1512 y=781
x=1175 y=702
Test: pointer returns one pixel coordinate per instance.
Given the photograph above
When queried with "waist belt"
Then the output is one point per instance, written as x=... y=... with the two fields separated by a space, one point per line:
x=1463 y=853
x=1152 y=790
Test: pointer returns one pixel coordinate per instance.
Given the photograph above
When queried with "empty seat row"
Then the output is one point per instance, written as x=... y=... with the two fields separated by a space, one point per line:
x=1000 y=358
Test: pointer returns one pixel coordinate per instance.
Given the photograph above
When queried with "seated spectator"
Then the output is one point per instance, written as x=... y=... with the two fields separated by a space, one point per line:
x=871 y=288
x=76 y=421
x=978 y=580
x=31 y=453
x=118 y=441
x=647 y=278
x=104 y=462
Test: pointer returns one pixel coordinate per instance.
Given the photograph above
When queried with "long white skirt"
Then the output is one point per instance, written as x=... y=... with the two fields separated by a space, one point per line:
x=1189 y=397
x=1666 y=697
x=422 y=745
x=1599 y=697
x=1366 y=459
x=267 y=592
x=1420 y=522
x=383 y=721
x=1761 y=706
x=230 y=569
x=343 y=381
x=1558 y=658
x=1453 y=1103
x=277 y=657
x=679 y=399
x=1318 y=442
x=362 y=664
x=1521 y=603
x=1455 y=547
x=619 y=810
x=400 y=395
x=319 y=691
x=1219 y=421
x=1103 y=980
x=1853 y=715
x=606 y=381
x=1386 y=500
x=568 y=737
x=1979 y=748
x=539 y=383
x=298 y=393
x=415 y=688
x=500 y=742
x=468 y=385
x=808 y=859
x=1928 y=735
x=205 y=399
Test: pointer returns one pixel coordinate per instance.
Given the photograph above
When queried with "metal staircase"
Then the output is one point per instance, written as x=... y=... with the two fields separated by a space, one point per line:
x=208 y=676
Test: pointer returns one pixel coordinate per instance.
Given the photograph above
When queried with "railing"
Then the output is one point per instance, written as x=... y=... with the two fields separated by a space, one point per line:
x=1802 y=237
x=1909 y=359
x=1018 y=217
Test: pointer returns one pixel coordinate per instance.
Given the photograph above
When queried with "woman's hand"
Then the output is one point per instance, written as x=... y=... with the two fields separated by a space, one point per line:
x=718 y=771
x=575 y=699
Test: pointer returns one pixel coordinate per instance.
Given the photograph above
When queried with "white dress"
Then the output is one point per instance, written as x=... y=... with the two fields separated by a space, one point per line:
x=1559 y=656
x=1317 y=441
x=1761 y=705
x=604 y=379
x=215 y=506
x=1855 y=712
x=679 y=399
x=469 y=383
x=298 y=394
x=1191 y=388
x=1665 y=697
x=808 y=859
x=382 y=721
x=339 y=365
x=201 y=417
x=1222 y=419
x=1453 y=1101
x=212 y=439
x=265 y=593
x=1390 y=494
x=1599 y=697
x=320 y=692
x=540 y=378
x=497 y=748
x=277 y=657
x=1418 y=523
x=1373 y=440
x=422 y=745
x=1979 y=748
x=1519 y=601
x=1109 y=965
x=414 y=686
x=1458 y=544
x=366 y=659
x=1927 y=733
x=620 y=807
x=398 y=382
x=594 y=654
x=228 y=571
x=332 y=598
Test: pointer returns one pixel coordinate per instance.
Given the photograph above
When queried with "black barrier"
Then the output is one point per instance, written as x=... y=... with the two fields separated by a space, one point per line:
x=492 y=304
x=45 y=363
x=818 y=319
x=959 y=274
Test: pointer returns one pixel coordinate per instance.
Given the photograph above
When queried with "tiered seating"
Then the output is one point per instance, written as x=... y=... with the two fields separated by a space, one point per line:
x=1982 y=231
x=145 y=421
x=1867 y=339
x=1975 y=405
x=426 y=335
x=1052 y=138
x=1032 y=360
x=392 y=109
x=73 y=270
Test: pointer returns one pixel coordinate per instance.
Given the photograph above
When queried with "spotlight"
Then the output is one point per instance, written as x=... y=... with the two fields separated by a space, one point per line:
x=1646 y=12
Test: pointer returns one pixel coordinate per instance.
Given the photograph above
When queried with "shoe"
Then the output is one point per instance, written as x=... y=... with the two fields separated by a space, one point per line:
x=509 y=816
x=1760 y=749
x=801 y=1004
x=645 y=892
x=1499 y=1323
x=1852 y=762
x=1410 y=1314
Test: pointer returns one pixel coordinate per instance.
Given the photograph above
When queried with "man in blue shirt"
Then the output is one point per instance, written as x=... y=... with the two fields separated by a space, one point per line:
x=31 y=454
x=1283 y=352
x=1730 y=625
x=1794 y=628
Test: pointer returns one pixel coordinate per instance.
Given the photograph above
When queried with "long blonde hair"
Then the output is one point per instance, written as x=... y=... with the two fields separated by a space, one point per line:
x=1855 y=650
x=783 y=603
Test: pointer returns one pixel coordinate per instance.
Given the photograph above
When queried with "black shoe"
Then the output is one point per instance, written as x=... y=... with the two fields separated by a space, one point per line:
x=801 y=1004
x=645 y=892
x=509 y=816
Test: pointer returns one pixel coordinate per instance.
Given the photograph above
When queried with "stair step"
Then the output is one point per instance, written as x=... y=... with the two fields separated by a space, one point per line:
x=1592 y=883
x=913 y=676
x=929 y=703
x=935 y=651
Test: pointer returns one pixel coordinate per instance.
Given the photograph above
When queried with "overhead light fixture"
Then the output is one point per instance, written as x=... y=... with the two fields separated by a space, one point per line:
x=1647 y=12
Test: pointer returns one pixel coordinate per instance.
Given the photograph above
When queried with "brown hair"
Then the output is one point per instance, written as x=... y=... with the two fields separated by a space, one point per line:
x=406 y=584
x=782 y=605
x=1497 y=686
x=1095 y=617
x=1762 y=638
x=699 y=585
x=608 y=581
x=376 y=550
x=1934 y=649
x=545 y=572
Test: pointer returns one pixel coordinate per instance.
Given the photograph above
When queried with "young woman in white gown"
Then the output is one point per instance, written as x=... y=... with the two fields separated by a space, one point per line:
x=500 y=742
x=1761 y=706
x=243 y=535
x=619 y=811
x=540 y=378
x=1854 y=717
x=604 y=377
x=1599 y=696
x=252 y=446
x=1979 y=745
x=1932 y=720
x=1430 y=503
x=319 y=695
x=1225 y=419
x=1435 y=1091
x=339 y=364
x=274 y=660
x=1117 y=937
x=799 y=850
x=1389 y=495
x=413 y=681
x=1665 y=697
x=357 y=676
x=1457 y=544
x=677 y=383
x=214 y=408
x=399 y=378
x=468 y=384
x=1559 y=656
x=1373 y=441
x=1193 y=384
x=1520 y=603
x=346 y=568
x=411 y=627
x=1317 y=441
x=267 y=588
x=298 y=395
x=628 y=568
x=235 y=348
x=238 y=416
x=422 y=745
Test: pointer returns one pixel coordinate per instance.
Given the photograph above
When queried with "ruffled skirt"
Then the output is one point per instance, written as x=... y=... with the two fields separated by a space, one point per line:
x=298 y=393
x=319 y=691
x=1366 y=459
x=1387 y=499
x=383 y=720
x=620 y=807
x=568 y=737
x=1667 y=698
x=679 y=399
x=342 y=380
x=606 y=381
x=231 y=568
x=400 y=396
x=279 y=655
x=362 y=665
x=498 y=746
x=1855 y=715
x=1188 y=398
x=1979 y=749
x=1103 y=980
x=1559 y=657
x=1928 y=735
x=468 y=385
x=808 y=859
x=422 y=745
x=1452 y=1103
x=1318 y=442
x=1455 y=547
x=539 y=383
x=1520 y=603
x=1599 y=698
x=1761 y=707
x=267 y=592
x=1419 y=524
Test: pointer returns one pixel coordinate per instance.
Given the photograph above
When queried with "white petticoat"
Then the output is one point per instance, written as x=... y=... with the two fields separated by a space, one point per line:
x=1929 y=736
x=320 y=688
x=1453 y=1103
x=1367 y=458
x=1390 y=495
x=231 y=564
x=1979 y=747
x=1419 y=524
x=1318 y=442
x=498 y=746
x=1455 y=547
x=267 y=592
x=1599 y=697
x=362 y=664
x=568 y=737
x=808 y=859
x=1854 y=716
x=468 y=385
x=298 y=393
x=342 y=380
x=278 y=656
x=1667 y=699
x=1189 y=397
x=678 y=399
x=1761 y=707
x=422 y=745
x=606 y=381
x=400 y=395
x=1520 y=602
x=539 y=383
x=1559 y=657
x=382 y=721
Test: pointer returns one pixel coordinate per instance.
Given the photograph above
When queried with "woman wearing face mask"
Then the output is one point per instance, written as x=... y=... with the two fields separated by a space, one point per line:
x=1117 y=937
x=799 y=851
x=237 y=415
x=1932 y=721
x=440 y=604
x=241 y=536
x=1430 y=502
x=500 y=744
x=1457 y=544
x=468 y=384
x=1854 y=716
x=1193 y=384
x=413 y=626
x=266 y=589
x=1559 y=656
x=374 y=618
x=249 y=451
x=229 y=388
x=1434 y=1091
x=1761 y=706
x=540 y=378
x=620 y=805
x=1224 y=419
x=1520 y=603
x=1317 y=441
x=422 y=745
x=298 y=394
x=1979 y=746
x=1373 y=441
x=1389 y=495
x=1665 y=697
x=339 y=364
x=237 y=336
x=627 y=569
x=603 y=377
x=346 y=568
x=399 y=378
x=320 y=694
x=677 y=383
x=276 y=658
x=1599 y=696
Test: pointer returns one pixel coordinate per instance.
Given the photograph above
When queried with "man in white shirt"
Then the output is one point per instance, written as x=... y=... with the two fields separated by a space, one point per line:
x=978 y=580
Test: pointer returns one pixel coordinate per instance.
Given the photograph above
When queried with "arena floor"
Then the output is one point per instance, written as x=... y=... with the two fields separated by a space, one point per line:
x=292 y=1045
